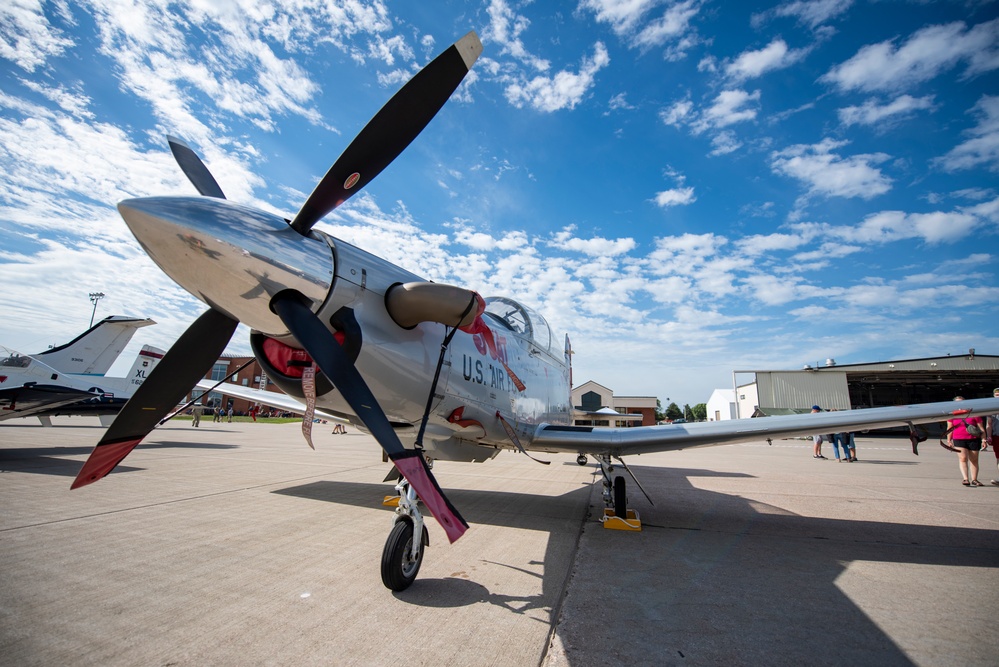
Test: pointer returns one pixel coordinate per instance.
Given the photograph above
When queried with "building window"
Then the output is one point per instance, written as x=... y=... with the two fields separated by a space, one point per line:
x=219 y=371
x=591 y=401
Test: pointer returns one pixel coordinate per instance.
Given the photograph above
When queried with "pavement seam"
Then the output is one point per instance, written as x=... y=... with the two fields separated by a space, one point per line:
x=556 y=615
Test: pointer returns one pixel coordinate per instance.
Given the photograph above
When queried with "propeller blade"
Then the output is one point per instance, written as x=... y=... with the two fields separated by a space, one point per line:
x=392 y=129
x=194 y=168
x=293 y=310
x=179 y=370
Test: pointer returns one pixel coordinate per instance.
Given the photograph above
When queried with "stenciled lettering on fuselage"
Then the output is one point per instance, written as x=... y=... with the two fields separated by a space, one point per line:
x=481 y=371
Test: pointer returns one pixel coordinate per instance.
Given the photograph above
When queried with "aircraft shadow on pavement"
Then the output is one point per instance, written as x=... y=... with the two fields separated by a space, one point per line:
x=740 y=581
x=49 y=461
x=562 y=514
x=713 y=576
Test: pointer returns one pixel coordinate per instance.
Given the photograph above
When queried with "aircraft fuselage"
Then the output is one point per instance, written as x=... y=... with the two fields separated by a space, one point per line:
x=236 y=259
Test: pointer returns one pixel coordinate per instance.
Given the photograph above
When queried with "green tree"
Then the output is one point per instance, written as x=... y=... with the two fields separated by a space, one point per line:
x=673 y=412
x=700 y=412
x=660 y=415
x=688 y=414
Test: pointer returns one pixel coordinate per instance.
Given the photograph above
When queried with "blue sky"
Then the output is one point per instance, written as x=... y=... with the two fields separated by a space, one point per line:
x=686 y=188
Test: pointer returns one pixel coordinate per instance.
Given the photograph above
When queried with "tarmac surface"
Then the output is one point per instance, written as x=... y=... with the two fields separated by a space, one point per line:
x=235 y=544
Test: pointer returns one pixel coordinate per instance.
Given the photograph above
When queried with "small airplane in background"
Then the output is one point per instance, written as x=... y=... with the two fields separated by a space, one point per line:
x=96 y=349
x=432 y=371
x=70 y=379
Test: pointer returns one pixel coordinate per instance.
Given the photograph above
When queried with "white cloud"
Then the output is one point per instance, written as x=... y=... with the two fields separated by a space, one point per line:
x=933 y=227
x=724 y=142
x=983 y=146
x=675 y=197
x=26 y=37
x=677 y=113
x=873 y=113
x=829 y=174
x=505 y=28
x=752 y=64
x=812 y=13
x=387 y=50
x=729 y=107
x=674 y=24
x=760 y=244
x=926 y=54
x=629 y=19
x=593 y=247
x=620 y=101
x=564 y=90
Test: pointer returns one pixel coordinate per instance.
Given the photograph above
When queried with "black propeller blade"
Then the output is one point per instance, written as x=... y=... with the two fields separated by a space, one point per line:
x=180 y=369
x=194 y=168
x=392 y=129
x=294 y=311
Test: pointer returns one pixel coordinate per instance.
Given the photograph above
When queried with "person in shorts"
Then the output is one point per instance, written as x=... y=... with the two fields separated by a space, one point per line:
x=967 y=445
x=817 y=439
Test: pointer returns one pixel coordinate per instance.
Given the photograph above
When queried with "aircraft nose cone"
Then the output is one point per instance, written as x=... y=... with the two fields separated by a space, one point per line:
x=232 y=257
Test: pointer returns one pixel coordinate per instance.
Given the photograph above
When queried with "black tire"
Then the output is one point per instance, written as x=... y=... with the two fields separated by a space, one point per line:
x=620 y=498
x=398 y=572
x=581 y=459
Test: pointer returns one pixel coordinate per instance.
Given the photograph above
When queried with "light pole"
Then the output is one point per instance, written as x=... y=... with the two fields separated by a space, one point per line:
x=94 y=298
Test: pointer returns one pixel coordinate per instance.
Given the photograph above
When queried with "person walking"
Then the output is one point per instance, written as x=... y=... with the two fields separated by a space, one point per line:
x=966 y=435
x=196 y=415
x=817 y=439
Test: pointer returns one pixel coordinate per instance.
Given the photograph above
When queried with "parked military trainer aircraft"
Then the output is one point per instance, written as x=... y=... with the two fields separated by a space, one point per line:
x=29 y=387
x=431 y=371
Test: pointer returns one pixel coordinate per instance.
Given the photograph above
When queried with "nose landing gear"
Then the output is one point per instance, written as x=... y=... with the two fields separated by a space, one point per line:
x=403 y=552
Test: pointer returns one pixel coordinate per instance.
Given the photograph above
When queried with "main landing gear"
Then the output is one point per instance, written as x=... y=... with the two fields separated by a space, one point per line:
x=617 y=516
x=403 y=552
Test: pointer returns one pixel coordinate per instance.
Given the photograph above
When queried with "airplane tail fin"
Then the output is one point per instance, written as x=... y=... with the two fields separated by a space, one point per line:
x=144 y=364
x=93 y=351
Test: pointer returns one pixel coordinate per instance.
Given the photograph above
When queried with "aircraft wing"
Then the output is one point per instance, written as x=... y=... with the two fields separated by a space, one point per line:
x=32 y=398
x=647 y=439
x=273 y=399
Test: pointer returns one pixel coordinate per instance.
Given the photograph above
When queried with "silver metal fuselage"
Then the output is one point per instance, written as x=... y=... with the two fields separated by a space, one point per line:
x=236 y=259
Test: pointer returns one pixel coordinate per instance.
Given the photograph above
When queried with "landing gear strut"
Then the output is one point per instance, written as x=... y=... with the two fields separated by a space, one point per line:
x=403 y=552
x=615 y=493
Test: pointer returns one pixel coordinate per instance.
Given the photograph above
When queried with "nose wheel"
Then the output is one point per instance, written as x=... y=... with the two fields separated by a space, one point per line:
x=403 y=552
x=399 y=563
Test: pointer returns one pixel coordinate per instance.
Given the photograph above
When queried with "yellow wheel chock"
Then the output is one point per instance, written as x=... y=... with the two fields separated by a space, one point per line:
x=391 y=501
x=613 y=522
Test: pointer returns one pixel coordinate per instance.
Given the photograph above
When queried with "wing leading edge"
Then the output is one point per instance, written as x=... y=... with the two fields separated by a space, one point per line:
x=648 y=439
x=268 y=398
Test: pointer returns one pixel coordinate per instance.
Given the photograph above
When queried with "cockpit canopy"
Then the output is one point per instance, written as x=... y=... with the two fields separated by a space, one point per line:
x=12 y=359
x=522 y=320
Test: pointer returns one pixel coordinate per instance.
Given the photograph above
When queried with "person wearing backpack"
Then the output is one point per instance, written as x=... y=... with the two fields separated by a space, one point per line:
x=967 y=435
